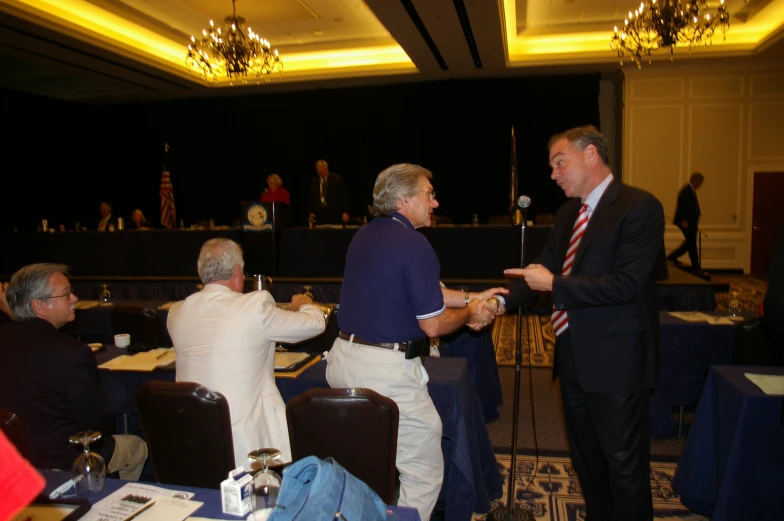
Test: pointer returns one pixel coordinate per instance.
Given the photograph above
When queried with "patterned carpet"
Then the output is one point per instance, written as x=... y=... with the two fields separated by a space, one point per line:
x=554 y=492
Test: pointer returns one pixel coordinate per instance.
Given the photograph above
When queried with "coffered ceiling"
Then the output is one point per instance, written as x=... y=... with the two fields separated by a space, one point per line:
x=103 y=51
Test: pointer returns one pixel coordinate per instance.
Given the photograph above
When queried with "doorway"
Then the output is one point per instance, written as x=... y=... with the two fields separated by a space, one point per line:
x=766 y=219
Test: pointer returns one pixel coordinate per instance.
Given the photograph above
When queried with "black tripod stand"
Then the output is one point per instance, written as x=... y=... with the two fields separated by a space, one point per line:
x=510 y=512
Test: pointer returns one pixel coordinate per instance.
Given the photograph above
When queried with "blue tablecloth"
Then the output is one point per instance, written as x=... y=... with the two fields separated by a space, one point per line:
x=471 y=475
x=732 y=466
x=687 y=351
x=211 y=498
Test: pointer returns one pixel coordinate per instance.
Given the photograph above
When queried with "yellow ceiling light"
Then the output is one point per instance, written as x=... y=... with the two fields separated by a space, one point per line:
x=88 y=22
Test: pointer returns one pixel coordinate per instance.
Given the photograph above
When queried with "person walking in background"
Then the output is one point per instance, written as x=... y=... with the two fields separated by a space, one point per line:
x=687 y=218
x=275 y=193
x=598 y=264
x=327 y=197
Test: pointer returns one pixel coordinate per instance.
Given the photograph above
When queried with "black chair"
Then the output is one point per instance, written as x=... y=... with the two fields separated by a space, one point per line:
x=141 y=322
x=14 y=430
x=188 y=431
x=356 y=427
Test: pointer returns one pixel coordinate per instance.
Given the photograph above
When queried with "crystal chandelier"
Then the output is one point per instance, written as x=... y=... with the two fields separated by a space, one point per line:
x=232 y=53
x=665 y=24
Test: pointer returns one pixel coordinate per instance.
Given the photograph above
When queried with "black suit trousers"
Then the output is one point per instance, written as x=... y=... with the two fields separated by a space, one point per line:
x=689 y=245
x=609 y=439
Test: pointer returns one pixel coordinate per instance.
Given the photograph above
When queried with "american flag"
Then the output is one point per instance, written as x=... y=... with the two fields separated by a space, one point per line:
x=168 y=212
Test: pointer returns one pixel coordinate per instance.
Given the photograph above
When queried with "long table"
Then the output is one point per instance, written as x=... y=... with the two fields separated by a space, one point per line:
x=304 y=252
x=732 y=466
x=471 y=475
x=211 y=509
x=687 y=351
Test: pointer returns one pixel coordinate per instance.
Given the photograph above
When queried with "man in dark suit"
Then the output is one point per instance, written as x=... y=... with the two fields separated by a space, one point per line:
x=327 y=198
x=50 y=379
x=108 y=222
x=687 y=217
x=598 y=264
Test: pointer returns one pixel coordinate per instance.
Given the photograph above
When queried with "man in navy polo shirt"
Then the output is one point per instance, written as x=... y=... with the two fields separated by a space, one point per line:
x=391 y=295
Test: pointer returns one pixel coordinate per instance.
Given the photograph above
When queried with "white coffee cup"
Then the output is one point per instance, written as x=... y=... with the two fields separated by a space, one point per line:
x=122 y=340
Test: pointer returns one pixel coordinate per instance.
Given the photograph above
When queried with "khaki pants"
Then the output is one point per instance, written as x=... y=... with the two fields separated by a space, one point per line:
x=130 y=453
x=419 y=458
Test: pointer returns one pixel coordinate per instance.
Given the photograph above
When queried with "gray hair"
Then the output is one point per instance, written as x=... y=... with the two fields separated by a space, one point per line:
x=28 y=284
x=395 y=182
x=217 y=260
x=581 y=137
x=275 y=179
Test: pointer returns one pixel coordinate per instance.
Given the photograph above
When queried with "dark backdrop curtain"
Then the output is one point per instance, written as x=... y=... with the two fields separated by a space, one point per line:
x=65 y=158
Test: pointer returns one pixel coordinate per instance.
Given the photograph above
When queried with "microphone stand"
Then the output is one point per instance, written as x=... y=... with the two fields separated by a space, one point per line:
x=510 y=512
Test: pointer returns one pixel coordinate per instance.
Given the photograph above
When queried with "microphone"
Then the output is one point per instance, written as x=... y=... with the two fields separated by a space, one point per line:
x=523 y=202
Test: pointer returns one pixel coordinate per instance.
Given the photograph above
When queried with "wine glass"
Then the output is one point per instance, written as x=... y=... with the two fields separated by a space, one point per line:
x=267 y=481
x=734 y=305
x=105 y=295
x=308 y=288
x=89 y=469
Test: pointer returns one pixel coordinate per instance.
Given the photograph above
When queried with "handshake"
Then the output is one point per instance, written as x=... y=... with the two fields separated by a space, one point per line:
x=484 y=307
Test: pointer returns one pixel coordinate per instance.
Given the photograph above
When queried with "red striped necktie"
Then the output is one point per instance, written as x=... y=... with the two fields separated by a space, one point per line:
x=559 y=319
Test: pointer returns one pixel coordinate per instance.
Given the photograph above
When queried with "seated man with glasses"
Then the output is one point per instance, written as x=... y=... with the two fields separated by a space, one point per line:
x=50 y=380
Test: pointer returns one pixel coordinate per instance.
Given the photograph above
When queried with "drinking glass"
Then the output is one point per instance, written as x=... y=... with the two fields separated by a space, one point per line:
x=734 y=305
x=308 y=288
x=105 y=295
x=267 y=481
x=89 y=469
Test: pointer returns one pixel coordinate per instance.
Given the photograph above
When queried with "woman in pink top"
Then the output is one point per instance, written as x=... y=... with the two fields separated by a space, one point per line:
x=275 y=193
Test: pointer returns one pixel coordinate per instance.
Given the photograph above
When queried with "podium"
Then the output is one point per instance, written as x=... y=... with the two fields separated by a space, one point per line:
x=261 y=226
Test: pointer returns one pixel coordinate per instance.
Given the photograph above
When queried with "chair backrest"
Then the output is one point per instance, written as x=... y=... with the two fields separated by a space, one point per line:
x=356 y=427
x=141 y=322
x=188 y=431
x=14 y=430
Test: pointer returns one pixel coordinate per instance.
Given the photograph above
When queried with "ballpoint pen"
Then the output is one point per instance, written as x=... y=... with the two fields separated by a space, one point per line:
x=136 y=514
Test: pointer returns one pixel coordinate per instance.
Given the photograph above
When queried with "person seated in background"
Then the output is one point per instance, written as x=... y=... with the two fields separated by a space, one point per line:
x=49 y=379
x=275 y=193
x=138 y=221
x=5 y=311
x=225 y=340
x=108 y=223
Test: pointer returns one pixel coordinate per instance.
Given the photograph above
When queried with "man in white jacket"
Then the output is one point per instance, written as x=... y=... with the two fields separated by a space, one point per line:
x=225 y=340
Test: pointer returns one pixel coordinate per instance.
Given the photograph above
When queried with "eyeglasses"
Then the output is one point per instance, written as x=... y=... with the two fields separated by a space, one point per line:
x=430 y=193
x=67 y=294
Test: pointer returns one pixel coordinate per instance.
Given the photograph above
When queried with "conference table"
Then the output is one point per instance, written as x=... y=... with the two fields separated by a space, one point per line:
x=211 y=498
x=687 y=351
x=732 y=466
x=471 y=475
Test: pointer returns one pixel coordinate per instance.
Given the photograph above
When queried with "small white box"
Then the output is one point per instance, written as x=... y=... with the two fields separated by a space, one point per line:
x=238 y=493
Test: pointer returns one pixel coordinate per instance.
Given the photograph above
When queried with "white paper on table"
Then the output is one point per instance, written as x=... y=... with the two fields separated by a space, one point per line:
x=169 y=509
x=118 y=506
x=146 y=361
x=771 y=384
x=691 y=316
x=721 y=321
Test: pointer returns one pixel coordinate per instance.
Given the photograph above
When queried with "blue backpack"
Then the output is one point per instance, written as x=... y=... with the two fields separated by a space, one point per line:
x=317 y=490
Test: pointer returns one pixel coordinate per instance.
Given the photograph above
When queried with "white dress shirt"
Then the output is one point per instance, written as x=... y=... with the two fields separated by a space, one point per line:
x=226 y=341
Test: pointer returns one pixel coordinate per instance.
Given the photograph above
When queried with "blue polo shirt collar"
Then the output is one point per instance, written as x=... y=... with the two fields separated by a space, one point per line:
x=403 y=219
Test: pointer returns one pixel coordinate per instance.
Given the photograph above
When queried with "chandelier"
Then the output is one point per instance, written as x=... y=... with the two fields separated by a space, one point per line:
x=665 y=24
x=232 y=53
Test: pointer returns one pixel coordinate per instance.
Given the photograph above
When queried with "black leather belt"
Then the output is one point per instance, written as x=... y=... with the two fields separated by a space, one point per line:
x=397 y=346
x=411 y=348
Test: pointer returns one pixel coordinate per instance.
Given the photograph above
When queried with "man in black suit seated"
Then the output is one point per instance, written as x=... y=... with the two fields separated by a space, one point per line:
x=138 y=221
x=50 y=379
x=327 y=198
x=687 y=218
x=108 y=222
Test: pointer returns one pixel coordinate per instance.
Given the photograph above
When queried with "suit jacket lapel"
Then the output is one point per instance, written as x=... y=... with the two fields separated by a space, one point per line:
x=599 y=215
